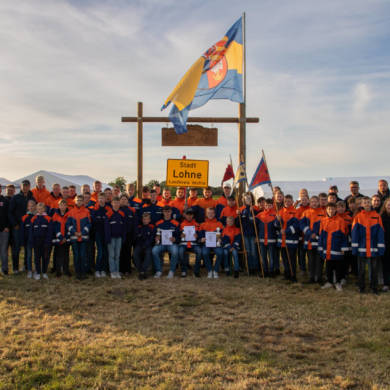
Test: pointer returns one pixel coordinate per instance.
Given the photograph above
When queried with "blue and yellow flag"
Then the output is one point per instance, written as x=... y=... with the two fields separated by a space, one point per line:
x=240 y=174
x=217 y=74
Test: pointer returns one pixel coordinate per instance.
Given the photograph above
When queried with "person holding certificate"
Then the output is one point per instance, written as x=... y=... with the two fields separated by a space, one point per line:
x=210 y=236
x=189 y=230
x=167 y=238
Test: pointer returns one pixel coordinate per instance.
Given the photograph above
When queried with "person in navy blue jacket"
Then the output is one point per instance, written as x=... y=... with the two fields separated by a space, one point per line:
x=99 y=217
x=116 y=233
x=152 y=208
x=24 y=232
x=4 y=232
x=130 y=226
x=144 y=240
x=40 y=236
x=166 y=224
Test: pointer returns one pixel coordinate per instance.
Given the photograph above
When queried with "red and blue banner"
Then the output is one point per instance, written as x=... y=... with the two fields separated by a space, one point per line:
x=217 y=74
x=261 y=175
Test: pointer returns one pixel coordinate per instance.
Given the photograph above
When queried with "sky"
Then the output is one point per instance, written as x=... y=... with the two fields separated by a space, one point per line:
x=318 y=77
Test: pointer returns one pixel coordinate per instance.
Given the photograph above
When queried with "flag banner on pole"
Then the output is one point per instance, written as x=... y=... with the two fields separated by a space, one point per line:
x=240 y=174
x=217 y=74
x=229 y=173
x=261 y=175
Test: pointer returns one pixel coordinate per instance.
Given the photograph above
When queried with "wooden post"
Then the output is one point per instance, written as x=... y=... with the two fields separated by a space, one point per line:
x=139 y=149
x=242 y=142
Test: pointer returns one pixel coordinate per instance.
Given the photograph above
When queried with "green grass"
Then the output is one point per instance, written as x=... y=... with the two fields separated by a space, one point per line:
x=190 y=334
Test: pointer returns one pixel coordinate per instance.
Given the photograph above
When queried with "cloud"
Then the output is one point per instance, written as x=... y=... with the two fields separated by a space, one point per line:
x=318 y=77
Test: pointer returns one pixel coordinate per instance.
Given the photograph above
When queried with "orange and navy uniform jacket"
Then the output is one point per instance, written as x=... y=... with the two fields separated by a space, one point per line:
x=210 y=225
x=206 y=203
x=79 y=221
x=368 y=236
x=152 y=208
x=145 y=236
x=130 y=221
x=41 y=195
x=289 y=222
x=25 y=228
x=59 y=227
x=164 y=202
x=98 y=219
x=116 y=226
x=40 y=233
x=178 y=204
x=94 y=196
x=248 y=221
x=348 y=225
x=52 y=202
x=332 y=242
x=231 y=237
x=70 y=203
x=265 y=222
x=135 y=203
x=191 y=201
x=300 y=210
x=221 y=203
x=228 y=212
x=310 y=224
x=172 y=225
x=197 y=228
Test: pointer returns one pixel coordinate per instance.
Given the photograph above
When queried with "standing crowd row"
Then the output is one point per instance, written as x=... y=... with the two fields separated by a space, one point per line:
x=109 y=231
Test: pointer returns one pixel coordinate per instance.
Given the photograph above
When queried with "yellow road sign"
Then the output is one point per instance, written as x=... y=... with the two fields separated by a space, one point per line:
x=187 y=173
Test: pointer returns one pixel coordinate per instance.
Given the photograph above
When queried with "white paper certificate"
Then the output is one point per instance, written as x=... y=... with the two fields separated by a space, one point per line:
x=166 y=236
x=189 y=233
x=211 y=239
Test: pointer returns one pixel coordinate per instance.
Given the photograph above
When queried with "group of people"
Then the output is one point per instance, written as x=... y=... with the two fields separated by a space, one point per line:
x=109 y=230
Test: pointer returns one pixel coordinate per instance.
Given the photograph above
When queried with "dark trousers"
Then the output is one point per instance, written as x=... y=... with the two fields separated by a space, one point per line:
x=62 y=258
x=15 y=246
x=41 y=258
x=386 y=267
x=101 y=253
x=352 y=264
x=142 y=258
x=80 y=257
x=334 y=266
x=301 y=256
x=125 y=256
x=289 y=261
x=316 y=265
x=372 y=263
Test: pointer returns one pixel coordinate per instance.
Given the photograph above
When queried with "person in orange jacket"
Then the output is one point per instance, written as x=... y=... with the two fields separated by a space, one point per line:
x=53 y=199
x=193 y=197
x=78 y=227
x=97 y=189
x=179 y=201
x=302 y=206
x=332 y=244
x=368 y=243
x=346 y=216
x=65 y=196
x=231 y=240
x=229 y=211
x=40 y=193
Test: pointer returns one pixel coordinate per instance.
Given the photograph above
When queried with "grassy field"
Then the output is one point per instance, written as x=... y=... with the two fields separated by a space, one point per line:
x=190 y=334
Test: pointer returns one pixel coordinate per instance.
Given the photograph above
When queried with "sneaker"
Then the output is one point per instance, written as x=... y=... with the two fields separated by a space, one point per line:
x=215 y=275
x=236 y=274
x=157 y=275
x=45 y=276
x=327 y=285
x=385 y=288
x=339 y=287
x=29 y=274
x=170 y=275
x=97 y=274
x=16 y=272
x=37 y=276
x=210 y=275
x=226 y=269
x=113 y=275
x=103 y=274
x=183 y=274
x=118 y=275
x=343 y=282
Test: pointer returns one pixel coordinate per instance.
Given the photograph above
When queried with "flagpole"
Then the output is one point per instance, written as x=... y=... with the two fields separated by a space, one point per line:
x=277 y=213
x=242 y=108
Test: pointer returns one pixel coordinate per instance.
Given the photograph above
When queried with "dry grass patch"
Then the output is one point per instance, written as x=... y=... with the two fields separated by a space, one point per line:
x=190 y=334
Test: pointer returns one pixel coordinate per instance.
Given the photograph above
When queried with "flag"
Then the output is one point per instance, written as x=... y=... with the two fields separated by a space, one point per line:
x=261 y=175
x=217 y=74
x=240 y=174
x=229 y=173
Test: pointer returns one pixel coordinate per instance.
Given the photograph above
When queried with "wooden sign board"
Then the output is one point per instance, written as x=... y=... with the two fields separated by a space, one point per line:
x=187 y=173
x=196 y=136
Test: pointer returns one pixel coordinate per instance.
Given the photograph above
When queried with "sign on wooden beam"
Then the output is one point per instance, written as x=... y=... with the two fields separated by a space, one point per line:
x=187 y=173
x=196 y=136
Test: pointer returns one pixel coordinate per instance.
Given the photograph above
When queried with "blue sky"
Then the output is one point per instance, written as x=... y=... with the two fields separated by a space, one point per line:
x=317 y=76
